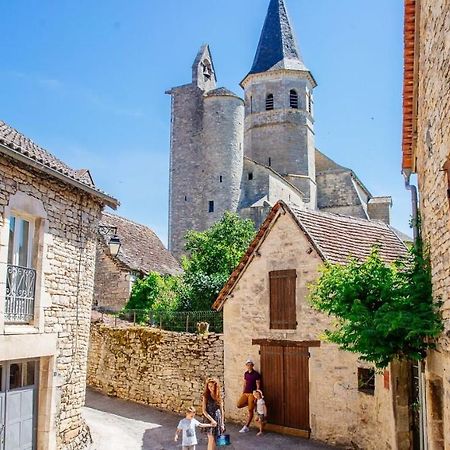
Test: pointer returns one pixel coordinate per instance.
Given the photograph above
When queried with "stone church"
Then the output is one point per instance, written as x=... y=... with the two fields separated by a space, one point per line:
x=244 y=154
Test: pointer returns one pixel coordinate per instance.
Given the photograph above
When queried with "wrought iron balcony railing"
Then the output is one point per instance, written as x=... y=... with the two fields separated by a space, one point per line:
x=20 y=289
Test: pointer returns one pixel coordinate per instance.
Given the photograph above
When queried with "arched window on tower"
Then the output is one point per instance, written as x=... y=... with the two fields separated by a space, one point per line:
x=269 y=102
x=293 y=99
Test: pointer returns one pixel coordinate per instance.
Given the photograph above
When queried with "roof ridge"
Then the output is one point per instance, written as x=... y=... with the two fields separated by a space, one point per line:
x=125 y=219
x=379 y=223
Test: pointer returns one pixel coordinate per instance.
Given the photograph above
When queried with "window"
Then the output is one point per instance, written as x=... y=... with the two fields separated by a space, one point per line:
x=293 y=99
x=446 y=169
x=309 y=101
x=251 y=104
x=250 y=176
x=269 y=102
x=283 y=314
x=211 y=206
x=20 y=276
x=270 y=161
x=366 y=380
x=185 y=198
x=220 y=179
x=20 y=242
x=207 y=70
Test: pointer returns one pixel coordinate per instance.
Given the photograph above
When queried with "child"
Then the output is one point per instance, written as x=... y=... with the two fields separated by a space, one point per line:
x=187 y=426
x=261 y=410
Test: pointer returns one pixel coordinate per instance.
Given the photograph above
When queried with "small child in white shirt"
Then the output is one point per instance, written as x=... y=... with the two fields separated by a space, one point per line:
x=188 y=426
x=261 y=410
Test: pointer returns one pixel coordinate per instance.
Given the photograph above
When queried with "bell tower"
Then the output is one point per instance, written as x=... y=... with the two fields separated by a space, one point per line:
x=279 y=113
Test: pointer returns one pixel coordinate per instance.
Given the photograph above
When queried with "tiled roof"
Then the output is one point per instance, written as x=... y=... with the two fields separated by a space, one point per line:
x=336 y=238
x=15 y=140
x=221 y=92
x=339 y=237
x=277 y=48
x=141 y=250
x=20 y=145
x=409 y=97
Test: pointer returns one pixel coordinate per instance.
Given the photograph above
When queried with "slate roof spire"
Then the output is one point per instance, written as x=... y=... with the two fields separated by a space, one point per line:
x=277 y=48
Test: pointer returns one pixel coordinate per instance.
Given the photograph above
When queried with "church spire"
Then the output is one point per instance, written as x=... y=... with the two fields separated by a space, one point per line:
x=277 y=48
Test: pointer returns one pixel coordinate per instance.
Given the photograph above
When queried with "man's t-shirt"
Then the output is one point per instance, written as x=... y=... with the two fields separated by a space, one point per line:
x=188 y=427
x=250 y=381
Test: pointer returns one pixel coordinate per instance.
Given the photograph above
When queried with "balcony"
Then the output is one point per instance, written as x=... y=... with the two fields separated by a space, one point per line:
x=20 y=289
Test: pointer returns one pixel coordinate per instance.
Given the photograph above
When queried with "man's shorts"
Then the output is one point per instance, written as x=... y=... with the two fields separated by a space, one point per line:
x=246 y=400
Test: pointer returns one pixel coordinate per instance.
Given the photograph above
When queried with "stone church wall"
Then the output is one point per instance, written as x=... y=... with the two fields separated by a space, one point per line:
x=158 y=368
x=433 y=150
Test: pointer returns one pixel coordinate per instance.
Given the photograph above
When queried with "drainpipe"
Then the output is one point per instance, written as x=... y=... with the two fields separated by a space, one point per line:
x=421 y=368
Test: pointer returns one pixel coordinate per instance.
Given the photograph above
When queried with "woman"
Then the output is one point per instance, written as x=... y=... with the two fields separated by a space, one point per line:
x=213 y=411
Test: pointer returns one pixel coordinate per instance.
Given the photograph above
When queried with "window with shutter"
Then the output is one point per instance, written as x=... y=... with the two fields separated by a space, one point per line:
x=283 y=314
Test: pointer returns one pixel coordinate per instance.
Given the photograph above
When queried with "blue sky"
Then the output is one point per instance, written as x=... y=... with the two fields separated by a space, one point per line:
x=87 y=81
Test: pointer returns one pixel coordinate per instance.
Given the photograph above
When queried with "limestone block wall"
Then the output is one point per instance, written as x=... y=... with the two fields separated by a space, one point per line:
x=222 y=141
x=159 y=368
x=339 y=413
x=64 y=256
x=113 y=282
x=284 y=135
x=433 y=150
x=186 y=156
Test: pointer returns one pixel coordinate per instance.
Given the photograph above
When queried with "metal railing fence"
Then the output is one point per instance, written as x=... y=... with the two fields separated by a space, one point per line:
x=181 y=321
x=20 y=290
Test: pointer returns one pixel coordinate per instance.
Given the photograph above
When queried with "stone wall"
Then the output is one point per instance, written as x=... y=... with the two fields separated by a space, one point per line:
x=64 y=257
x=159 y=368
x=339 y=413
x=285 y=135
x=433 y=150
x=112 y=281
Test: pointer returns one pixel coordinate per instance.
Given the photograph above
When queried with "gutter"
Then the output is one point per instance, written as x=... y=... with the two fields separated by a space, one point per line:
x=105 y=198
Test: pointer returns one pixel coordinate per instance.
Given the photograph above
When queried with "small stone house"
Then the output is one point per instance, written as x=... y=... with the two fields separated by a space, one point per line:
x=49 y=216
x=426 y=152
x=312 y=388
x=141 y=252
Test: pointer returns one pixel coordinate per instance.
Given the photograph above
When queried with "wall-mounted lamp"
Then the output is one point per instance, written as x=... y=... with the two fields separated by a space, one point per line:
x=114 y=241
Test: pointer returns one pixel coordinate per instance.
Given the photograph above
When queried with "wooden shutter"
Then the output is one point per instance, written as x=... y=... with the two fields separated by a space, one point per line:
x=283 y=314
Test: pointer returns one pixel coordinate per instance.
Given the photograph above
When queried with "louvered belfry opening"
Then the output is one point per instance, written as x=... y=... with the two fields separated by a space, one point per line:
x=283 y=315
x=293 y=99
x=269 y=102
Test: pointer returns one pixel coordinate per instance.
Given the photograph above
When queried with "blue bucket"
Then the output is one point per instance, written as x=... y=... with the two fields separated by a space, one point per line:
x=223 y=439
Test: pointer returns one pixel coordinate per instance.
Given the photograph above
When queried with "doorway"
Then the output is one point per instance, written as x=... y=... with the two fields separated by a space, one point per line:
x=18 y=401
x=285 y=379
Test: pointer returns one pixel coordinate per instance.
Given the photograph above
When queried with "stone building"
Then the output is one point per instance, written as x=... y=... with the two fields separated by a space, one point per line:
x=233 y=154
x=48 y=235
x=312 y=388
x=426 y=152
x=141 y=252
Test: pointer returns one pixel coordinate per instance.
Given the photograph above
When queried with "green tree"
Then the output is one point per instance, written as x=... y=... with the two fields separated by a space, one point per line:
x=383 y=312
x=213 y=255
x=155 y=292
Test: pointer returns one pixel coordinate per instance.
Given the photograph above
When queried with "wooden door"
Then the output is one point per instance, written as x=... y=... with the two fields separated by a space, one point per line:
x=285 y=377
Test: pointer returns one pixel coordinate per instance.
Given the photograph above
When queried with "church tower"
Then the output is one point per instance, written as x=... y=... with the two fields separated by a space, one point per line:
x=279 y=115
x=206 y=152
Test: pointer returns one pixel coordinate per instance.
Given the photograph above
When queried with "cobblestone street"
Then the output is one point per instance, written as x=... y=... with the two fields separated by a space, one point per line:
x=120 y=425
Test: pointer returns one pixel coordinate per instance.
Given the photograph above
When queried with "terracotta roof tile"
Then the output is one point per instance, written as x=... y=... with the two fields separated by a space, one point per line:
x=409 y=86
x=141 y=249
x=336 y=238
x=9 y=137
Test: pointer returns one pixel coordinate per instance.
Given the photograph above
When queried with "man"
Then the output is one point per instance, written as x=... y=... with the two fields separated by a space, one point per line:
x=252 y=381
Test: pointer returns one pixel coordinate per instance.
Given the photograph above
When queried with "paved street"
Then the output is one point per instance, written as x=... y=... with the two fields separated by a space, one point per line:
x=120 y=425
